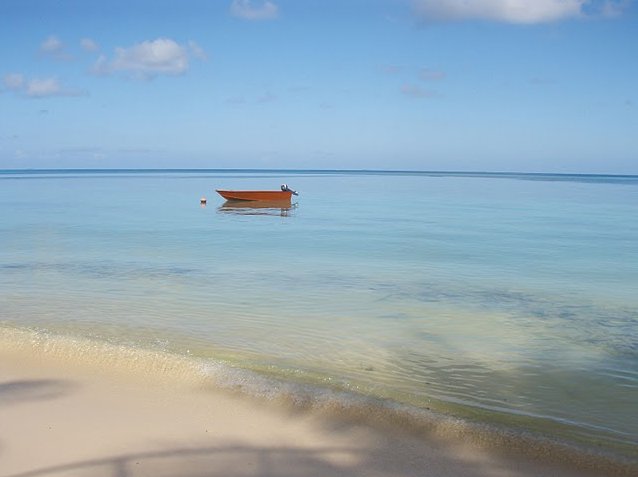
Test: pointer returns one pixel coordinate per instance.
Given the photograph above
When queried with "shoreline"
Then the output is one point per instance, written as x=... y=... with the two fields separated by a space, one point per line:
x=65 y=417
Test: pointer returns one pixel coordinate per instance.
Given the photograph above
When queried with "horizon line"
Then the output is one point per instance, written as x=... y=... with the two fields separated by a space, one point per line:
x=314 y=170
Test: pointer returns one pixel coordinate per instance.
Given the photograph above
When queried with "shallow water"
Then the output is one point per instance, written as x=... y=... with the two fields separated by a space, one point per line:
x=506 y=299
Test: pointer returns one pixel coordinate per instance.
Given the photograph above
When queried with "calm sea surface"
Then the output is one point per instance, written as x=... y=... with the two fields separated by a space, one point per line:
x=502 y=299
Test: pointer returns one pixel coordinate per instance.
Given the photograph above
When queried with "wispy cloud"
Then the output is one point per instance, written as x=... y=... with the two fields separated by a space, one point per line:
x=149 y=59
x=391 y=69
x=300 y=88
x=249 y=10
x=87 y=44
x=53 y=47
x=614 y=8
x=197 y=51
x=239 y=100
x=14 y=81
x=540 y=81
x=415 y=91
x=267 y=98
x=38 y=87
x=427 y=74
x=235 y=100
x=515 y=11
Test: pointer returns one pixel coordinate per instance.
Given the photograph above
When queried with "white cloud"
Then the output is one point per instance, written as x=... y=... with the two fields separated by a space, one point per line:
x=88 y=44
x=509 y=11
x=37 y=87
x=47 y=87
x=246 y=10
x=161 y=56
x=149 y=59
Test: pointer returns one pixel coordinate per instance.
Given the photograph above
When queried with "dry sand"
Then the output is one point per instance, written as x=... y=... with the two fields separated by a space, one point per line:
x=58 y=419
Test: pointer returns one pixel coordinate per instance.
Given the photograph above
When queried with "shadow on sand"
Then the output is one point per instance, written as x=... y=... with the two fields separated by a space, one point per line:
x=243 y=460
x=377 y=454
x=16 y=392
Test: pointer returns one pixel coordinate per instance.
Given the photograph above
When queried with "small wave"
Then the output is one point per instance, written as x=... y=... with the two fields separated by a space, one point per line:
x=94 y=354
x=344 y=406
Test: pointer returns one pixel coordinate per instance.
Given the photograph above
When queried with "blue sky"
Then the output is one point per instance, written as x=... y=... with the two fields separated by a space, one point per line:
x=498 y=85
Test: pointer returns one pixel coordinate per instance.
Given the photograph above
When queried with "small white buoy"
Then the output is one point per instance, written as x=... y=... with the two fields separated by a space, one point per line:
x=202 y=200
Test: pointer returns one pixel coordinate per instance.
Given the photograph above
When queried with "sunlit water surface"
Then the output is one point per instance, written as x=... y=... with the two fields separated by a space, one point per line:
x=508 y=299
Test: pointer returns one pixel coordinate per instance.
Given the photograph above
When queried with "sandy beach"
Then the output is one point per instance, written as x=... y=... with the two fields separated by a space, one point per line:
x=59 y=418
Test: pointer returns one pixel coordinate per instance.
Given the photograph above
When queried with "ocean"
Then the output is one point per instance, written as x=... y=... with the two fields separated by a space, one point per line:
x=505 y=302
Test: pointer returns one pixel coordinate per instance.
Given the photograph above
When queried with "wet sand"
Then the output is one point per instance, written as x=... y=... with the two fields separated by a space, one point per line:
x=60 y=419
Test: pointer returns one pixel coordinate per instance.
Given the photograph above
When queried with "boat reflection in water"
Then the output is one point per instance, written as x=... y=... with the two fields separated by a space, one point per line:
x=282 y=208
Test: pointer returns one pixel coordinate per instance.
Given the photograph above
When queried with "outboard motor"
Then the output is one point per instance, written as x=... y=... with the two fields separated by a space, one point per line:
x=285 y=188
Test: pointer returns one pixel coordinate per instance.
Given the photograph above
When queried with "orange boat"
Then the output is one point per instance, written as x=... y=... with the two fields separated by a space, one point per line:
x=268 y=195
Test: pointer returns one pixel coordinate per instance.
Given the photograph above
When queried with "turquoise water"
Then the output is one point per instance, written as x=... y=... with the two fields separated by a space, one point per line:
x=496 y=298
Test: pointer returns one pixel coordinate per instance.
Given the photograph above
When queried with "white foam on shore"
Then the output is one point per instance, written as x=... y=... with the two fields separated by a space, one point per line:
x=176 y=370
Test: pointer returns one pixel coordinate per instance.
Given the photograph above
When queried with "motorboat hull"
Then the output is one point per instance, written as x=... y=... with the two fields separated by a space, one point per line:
x=261 y=195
